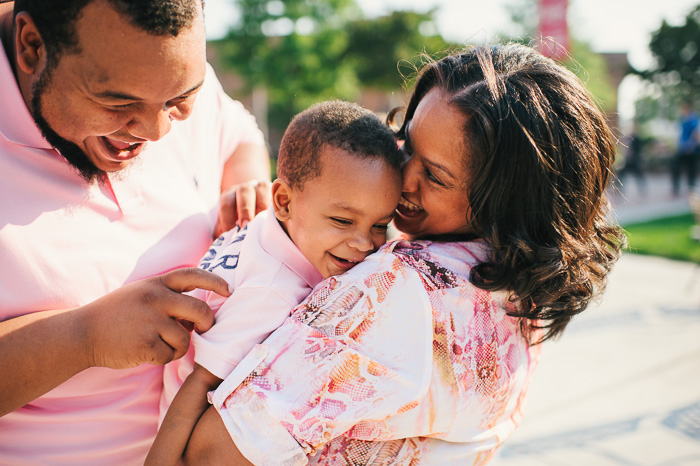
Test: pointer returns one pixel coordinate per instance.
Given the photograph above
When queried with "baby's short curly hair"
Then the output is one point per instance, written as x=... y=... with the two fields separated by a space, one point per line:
x=338 y=124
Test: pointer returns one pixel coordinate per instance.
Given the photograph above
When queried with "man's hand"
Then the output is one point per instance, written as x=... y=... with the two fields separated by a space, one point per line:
x=138 y=323
x=135 y=324
x=240 y=203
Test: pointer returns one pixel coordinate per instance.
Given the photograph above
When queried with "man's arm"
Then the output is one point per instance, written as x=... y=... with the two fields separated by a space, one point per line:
x=187 y=407
x=128 y=327
x=245 y=186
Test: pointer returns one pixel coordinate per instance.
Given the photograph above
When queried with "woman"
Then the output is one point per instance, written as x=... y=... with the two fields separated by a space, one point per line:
x=422 y=354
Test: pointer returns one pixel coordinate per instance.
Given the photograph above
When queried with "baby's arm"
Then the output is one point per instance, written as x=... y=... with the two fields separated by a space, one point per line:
x=187 y=407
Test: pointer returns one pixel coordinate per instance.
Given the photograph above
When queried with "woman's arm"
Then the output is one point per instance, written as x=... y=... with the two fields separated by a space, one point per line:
x=182 y=416
x=339 y=361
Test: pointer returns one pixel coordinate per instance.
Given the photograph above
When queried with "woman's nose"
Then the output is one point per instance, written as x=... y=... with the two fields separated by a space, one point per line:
x=409 y=175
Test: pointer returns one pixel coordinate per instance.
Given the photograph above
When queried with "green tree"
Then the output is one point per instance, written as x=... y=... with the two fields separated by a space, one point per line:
x=303 y=51
x=293 y=49
x=386 y=51
x=676 y=52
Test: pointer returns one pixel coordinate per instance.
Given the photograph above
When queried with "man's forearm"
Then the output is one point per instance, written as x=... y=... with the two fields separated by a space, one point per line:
x=38 y=352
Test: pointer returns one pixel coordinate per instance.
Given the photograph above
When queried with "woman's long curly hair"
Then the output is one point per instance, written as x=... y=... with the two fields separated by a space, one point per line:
x=540 y=153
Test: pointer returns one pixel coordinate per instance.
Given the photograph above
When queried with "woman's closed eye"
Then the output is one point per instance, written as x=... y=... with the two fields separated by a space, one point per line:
x=431 y=177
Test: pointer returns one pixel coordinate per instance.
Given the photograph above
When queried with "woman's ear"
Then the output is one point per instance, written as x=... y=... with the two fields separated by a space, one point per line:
x=282 y=195
x=29 y=45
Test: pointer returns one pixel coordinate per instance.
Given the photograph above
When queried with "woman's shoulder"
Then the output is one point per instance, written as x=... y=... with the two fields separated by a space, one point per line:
x=444 y=264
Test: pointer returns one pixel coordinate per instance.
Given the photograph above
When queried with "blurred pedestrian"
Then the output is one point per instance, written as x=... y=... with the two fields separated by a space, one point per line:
x=687 y=153
x=634 y=163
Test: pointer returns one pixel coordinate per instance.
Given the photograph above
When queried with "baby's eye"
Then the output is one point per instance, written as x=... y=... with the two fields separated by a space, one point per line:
x=381 y=227
x=341 y=221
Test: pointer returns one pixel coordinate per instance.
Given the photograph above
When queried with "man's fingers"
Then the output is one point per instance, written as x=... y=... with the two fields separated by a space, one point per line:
x=263 y=191
x=189 y=278
x=245 y=203
x=160 y=353
x=186 y=308
x=177 y=338
x=228 y=213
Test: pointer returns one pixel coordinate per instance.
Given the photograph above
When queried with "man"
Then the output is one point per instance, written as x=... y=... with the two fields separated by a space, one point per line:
x=110 y=177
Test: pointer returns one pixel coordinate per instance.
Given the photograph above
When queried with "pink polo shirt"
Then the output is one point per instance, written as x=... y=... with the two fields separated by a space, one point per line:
x=64 y=243
x=269 y=275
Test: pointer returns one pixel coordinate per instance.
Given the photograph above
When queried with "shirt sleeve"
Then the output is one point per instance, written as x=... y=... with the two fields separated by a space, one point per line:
x=247 y=317
x=356 y=352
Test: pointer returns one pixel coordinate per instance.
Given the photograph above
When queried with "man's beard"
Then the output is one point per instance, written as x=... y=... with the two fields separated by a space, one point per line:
x=75 y=156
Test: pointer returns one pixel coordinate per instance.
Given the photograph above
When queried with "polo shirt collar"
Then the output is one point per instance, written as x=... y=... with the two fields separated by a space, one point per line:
x=277 y=243
x=16 y=123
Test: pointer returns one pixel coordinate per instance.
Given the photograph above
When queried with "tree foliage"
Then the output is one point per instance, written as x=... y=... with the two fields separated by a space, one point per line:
x=387 y=49
x=303 y=51
x=292 y=48
x=676 y=51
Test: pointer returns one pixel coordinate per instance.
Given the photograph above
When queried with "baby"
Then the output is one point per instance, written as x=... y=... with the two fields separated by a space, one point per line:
x=338 y=184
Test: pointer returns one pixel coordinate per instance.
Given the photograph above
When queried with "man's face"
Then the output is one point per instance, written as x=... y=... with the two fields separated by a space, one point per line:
x=100 y=106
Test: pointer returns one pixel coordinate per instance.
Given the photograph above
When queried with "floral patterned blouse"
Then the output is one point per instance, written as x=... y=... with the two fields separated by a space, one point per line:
x=399 y=361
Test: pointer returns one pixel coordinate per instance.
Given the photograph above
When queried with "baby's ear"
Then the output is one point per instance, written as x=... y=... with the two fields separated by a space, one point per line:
x=282 y=194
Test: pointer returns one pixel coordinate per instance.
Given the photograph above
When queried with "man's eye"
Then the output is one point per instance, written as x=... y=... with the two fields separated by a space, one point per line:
x=180 y=100
x=121 y=107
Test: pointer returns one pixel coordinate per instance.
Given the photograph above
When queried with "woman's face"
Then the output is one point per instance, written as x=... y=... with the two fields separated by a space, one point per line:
x=434 y=198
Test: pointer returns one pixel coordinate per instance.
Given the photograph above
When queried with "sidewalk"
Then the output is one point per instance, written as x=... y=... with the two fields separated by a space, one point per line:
x=632 y=205
x=622 y=385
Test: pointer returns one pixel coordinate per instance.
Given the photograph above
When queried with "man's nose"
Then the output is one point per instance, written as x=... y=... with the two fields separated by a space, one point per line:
x=151 y=124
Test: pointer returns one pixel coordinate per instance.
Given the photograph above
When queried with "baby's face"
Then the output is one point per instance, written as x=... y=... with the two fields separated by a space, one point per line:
x=341 y=216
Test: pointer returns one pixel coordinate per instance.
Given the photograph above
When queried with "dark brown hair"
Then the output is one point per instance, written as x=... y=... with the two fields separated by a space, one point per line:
x=338 y=124
x=541 y=153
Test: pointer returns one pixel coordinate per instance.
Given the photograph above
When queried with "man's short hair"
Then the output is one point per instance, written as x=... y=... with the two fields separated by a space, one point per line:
x=56 y=20
x=338 y=124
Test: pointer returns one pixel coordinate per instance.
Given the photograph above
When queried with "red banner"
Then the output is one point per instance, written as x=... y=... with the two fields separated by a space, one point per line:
x=553 y=31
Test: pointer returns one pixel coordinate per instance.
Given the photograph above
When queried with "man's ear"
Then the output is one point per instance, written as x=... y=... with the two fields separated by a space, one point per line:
x=29 y=45
x=282 y=195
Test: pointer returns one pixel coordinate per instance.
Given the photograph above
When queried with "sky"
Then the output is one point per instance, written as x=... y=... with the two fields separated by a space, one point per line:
x=607 y=25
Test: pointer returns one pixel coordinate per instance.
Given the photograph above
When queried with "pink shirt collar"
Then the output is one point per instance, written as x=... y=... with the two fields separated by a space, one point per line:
x=277 y=243
x=16 y=123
